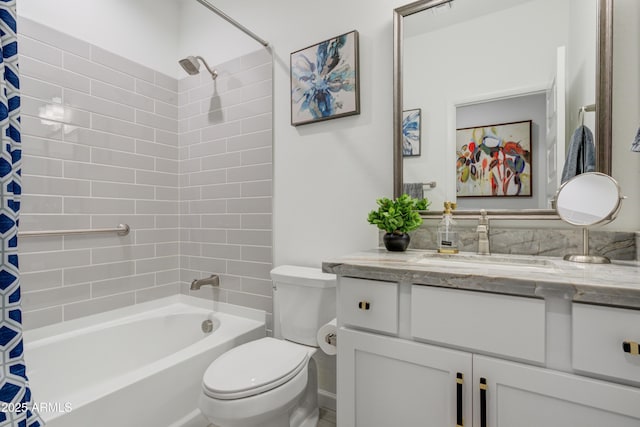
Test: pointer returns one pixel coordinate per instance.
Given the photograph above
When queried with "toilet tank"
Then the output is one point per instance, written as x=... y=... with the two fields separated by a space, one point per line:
x=304 y=300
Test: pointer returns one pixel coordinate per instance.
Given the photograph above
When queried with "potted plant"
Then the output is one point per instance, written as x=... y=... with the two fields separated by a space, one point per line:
x=397 y=217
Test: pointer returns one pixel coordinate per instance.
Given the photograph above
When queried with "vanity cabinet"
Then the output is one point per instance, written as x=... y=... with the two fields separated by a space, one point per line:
x=414 y=355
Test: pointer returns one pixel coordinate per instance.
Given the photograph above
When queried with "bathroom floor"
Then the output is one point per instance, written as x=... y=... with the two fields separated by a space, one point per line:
x=327 y=418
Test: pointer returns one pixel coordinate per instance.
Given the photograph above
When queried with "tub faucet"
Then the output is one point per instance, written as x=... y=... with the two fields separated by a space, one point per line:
x=483 y=233
x=214 y=280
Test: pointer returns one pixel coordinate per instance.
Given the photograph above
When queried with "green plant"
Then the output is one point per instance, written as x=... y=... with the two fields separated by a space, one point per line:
x=398 y=216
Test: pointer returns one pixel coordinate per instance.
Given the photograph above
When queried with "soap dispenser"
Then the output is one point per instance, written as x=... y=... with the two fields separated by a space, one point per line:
x=447 y=235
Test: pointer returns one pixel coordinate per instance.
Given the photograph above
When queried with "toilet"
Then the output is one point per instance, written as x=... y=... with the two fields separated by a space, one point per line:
x=272 y=382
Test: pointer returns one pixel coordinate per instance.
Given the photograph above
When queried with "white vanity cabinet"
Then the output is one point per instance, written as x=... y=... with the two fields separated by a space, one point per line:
x=414 y=355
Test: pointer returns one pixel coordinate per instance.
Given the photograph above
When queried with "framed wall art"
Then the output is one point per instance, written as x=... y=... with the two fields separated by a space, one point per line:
x=411 y=132
x=325 y=80
x=494 y=160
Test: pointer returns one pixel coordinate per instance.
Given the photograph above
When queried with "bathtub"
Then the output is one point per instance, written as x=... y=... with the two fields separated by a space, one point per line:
x=137 y=366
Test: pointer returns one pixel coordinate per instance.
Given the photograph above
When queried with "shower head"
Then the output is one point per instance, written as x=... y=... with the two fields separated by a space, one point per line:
x=191 y=65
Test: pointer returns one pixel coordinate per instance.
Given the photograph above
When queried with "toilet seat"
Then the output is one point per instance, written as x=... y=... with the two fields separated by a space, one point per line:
x=254 y=368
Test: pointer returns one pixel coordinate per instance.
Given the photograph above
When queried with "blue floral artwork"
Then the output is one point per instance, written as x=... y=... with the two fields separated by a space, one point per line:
x=411 y=122
x=324 y=80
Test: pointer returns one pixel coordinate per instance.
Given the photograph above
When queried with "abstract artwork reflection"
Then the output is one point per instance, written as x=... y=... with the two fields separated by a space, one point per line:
x=411 y=123
x=494 y=160
x=324 y=80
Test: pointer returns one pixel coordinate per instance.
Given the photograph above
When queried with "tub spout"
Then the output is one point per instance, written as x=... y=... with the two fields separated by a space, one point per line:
x=214 y=280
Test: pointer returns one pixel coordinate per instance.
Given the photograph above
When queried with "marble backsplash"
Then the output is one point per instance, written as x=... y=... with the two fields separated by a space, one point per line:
x=536 y=241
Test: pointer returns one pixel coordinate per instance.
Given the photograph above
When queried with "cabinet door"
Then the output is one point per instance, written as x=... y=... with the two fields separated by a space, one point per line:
x=525 y=396
x=385 y=381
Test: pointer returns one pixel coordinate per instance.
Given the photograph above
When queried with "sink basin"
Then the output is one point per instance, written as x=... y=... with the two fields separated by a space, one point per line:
x=512 y=260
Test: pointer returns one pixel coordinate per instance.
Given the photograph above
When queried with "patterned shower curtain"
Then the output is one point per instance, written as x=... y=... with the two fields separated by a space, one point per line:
x=16 y=405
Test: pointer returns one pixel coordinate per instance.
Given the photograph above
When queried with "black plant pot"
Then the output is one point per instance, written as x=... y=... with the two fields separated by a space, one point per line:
x=396 y=242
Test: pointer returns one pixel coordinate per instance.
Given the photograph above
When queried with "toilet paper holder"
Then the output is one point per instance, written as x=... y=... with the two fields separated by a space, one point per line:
x=331 y=339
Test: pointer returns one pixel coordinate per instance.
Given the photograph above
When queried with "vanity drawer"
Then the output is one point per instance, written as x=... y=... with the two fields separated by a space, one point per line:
x=496 y=324
x=368 y=304
x=598 y=336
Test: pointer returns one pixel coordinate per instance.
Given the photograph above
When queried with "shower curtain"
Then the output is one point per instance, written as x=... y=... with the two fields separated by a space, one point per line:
x=16 y=406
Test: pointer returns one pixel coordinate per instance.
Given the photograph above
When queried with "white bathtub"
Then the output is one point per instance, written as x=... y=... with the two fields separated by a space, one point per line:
x=137 y=366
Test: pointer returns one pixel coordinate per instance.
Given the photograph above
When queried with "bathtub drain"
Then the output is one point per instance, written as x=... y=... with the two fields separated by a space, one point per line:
x=207 y=326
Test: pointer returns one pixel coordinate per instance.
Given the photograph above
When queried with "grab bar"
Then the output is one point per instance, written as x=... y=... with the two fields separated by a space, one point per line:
x=121 y=229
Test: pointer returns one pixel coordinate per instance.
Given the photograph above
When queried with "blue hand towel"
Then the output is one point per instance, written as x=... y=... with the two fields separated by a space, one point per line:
x=581 y=157
x=635 y=146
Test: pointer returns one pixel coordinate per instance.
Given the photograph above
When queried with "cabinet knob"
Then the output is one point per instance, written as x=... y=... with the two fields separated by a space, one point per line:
x=364 y=305
x=631 y=347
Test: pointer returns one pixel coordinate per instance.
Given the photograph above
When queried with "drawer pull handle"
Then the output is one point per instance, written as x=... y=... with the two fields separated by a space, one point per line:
x=483 y=402
x=459 y=382
x=631 y=347
x=364 y=305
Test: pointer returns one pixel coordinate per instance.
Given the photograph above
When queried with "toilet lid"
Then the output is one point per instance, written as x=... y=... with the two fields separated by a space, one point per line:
x=253 y=368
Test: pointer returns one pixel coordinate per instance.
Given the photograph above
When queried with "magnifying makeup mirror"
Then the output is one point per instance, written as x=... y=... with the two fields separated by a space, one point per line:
x=586 y=200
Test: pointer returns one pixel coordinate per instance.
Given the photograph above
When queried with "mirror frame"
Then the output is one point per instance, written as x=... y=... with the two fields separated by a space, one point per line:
x=604 y=103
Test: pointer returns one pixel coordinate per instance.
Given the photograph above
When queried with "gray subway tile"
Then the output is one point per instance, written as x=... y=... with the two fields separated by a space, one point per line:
x=255 y=286
x=257 y=188
x=257 y=221
x=208 y=177
x=121 y=64
x=250 y=269
x=256 y=156
x=35 y=126
x=257 y=254
x=167 y=166
x=155 y=121
x=39 y=318
x=40 y=280
x=38 y=222
x=166 y=82
x=86 y=205
x=209 y=265
x=250 y=237
x=203 y=235
x=250 y=173
x=98 y=305
x=96 y=105
x=222 y=161
x=210 y=250
x=37 y=244
x=220 y=191
x=167 y=277
x=55 y=75
x=207 y=149
x=167 y=138
x=257 y=91
x=157 y=207
x=122 y=191
x=256 y=58
x=157 y=292
x=155 y=92
x=40 y=51
x=258 y=302
x=251 y=205
x=157 y=236
x=42 y=204
x=53 y=37
x=108 y=124
x=249 y=109
x=207 y=206
x=121 y=96
x=250 y=141
x=41 y=166
x=55 y=186
x=91 y=273
x=257 y=123
x=122 y=159
x=98 y=72
x=104 y=140
x=168 y=249
x=98 y=172
x=167 y=193
x=224 y=130
x=53 y=297
x=52 y=149
x=156 y=178
x=40 y=89
x=121 y=253
x=121 y=285
x=157 y=150
x=167 y=110
x=189 y=110
x=152 y=265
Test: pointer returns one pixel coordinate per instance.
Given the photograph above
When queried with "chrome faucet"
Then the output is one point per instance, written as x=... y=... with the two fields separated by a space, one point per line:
x=483 y=233
x=214 y=280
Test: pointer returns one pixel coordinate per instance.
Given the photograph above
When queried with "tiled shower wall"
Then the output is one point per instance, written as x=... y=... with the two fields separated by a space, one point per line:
x=226 y=179
x=102 y=145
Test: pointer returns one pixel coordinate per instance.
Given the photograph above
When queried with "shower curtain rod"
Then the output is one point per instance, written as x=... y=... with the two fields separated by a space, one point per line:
x=230 y=20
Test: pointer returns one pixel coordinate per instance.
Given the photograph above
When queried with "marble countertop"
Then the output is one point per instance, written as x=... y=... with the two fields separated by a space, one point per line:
x=616 y=284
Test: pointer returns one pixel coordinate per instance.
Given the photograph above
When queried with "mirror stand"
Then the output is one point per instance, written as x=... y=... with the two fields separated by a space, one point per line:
x=585 y=257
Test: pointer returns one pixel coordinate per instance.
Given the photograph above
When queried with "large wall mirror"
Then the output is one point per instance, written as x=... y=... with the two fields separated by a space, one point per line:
x=488 y=94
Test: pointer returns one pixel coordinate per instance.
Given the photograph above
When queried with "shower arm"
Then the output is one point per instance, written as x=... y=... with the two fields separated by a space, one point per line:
x=214 y=73
x=230 y=20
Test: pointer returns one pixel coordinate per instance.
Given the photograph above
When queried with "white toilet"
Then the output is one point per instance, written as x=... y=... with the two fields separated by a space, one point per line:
x=273 y=382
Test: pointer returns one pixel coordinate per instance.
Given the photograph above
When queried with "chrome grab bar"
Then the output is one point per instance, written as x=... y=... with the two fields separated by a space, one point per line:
x=121 y=229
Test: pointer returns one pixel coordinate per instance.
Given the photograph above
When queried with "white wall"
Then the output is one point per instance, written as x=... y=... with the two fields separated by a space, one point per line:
x=145 y=31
